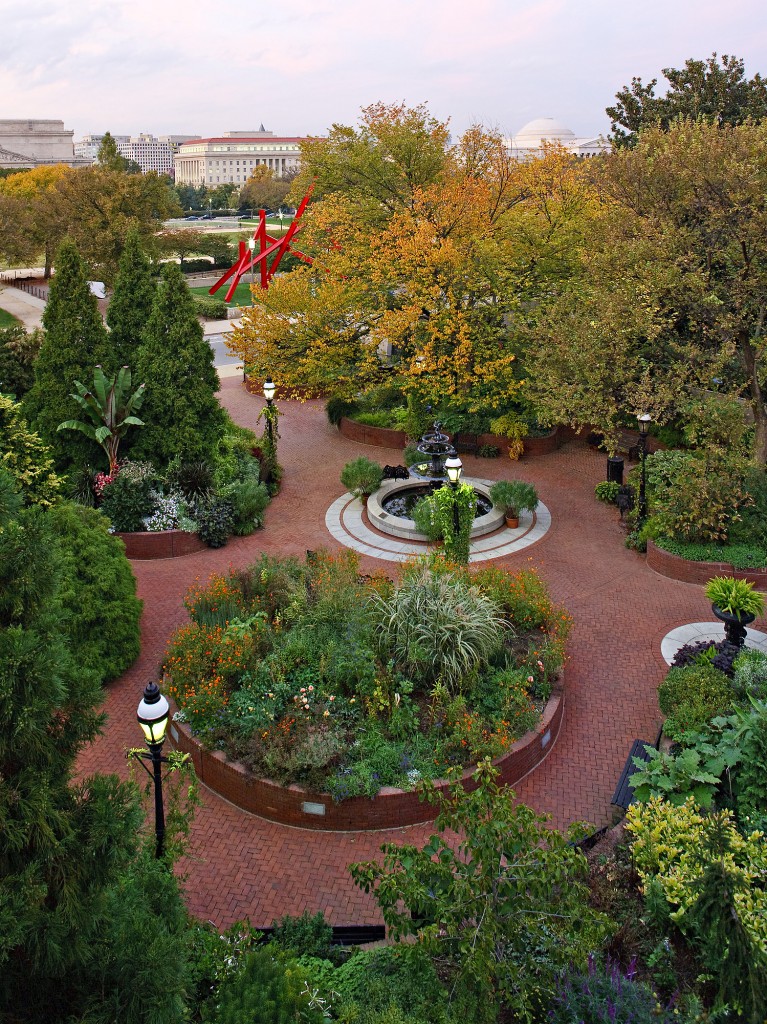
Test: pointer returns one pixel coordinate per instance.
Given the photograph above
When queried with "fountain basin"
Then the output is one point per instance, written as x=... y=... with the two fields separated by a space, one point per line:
x=396 y=526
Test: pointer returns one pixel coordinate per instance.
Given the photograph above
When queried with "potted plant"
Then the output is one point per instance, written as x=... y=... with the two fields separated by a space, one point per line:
x=362 y=477
x=514 y=497
x=736 y=604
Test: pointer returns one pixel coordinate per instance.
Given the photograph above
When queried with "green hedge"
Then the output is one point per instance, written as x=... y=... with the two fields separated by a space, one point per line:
x=739 y=556
x=213 y=309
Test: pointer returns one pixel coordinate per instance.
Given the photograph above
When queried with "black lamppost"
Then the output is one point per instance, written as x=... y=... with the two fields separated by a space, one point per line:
x=153 y=719
x=644 y=419
x=269 y=389
x=453 y=468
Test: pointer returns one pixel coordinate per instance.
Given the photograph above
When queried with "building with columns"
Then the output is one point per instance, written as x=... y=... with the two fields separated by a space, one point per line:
x=36 y=143
x=530 y=140
x=234 y=156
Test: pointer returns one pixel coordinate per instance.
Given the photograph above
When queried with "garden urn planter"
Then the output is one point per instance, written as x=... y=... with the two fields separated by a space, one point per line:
x=734 y=625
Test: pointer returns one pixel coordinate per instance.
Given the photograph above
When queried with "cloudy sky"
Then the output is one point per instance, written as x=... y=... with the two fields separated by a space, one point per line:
x=298 y=66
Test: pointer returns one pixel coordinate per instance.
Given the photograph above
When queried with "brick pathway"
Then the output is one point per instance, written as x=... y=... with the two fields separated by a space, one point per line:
x=243 y=866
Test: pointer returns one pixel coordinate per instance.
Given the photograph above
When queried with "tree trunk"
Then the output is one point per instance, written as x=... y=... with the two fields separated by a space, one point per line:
x=757 y=400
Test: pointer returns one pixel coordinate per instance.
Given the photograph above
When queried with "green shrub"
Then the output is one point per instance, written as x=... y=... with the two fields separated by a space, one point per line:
x=215 y=519
x=336 y=408
x=690 y=697
x=307 y=935
x=361 y=476
x=18 y=351
x=607 y=491
x=265 y=991
x=193 y=479
x=24 y=455
x=379 y=418
x=98 y=591
x=248 y=499
x=402 y=977
x=127 y=503
x=751 y=673
x=210 y=308
x=488 y=451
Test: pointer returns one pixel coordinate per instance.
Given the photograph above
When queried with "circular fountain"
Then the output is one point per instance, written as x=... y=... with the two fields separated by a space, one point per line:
x=437 y=447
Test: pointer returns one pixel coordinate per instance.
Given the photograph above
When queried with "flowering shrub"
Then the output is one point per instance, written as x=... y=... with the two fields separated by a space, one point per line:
x=170 y=513
x=291 y=668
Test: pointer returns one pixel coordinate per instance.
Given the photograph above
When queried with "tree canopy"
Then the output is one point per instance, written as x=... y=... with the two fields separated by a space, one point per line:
x=717 y=92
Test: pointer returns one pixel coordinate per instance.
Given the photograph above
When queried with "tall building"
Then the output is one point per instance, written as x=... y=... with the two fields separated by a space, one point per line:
x=529 y=141
x=150 y=153
x=35 y=143
x=233 y=157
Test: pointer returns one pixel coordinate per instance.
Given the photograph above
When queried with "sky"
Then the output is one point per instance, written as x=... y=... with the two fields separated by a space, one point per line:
x=300 y=66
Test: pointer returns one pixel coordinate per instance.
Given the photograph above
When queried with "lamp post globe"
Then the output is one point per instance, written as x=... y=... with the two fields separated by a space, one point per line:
x=453 y=468
x=153 y=713
x=269 y=388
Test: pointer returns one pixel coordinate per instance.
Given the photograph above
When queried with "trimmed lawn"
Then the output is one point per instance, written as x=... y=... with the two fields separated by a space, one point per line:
x=241 y=296
x=8 y=319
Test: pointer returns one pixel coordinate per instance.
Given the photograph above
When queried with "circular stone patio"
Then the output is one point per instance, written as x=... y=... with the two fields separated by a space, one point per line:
x=346 y=520
x=695 y=632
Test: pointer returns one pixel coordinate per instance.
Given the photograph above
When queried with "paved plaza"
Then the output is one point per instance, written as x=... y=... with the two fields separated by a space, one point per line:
x=242 y=866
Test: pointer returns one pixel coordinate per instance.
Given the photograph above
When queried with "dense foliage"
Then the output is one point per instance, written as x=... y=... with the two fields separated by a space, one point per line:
x=308 y=673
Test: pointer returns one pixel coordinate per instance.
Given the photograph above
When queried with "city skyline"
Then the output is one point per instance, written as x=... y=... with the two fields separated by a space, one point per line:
x=140 y=67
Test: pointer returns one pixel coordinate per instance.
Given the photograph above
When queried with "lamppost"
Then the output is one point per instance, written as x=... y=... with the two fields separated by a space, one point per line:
x=454 y=468
x=644 y=419
x=153 y=718
x=252 y=247
x=269 y=389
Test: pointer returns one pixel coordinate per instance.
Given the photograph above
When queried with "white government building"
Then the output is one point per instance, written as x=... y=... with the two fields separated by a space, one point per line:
x=529 y=141
x=150 y=153
x=36 y=143
x=233 y=157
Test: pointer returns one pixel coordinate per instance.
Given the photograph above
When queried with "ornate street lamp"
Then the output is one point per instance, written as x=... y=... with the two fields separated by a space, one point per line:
x=269 y=389
x=252 y=247
x=454 y=468
x=644 y=419
x=153 y=718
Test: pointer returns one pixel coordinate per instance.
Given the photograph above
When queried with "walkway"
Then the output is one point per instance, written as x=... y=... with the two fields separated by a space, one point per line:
x=25 y=307
x=243 y=866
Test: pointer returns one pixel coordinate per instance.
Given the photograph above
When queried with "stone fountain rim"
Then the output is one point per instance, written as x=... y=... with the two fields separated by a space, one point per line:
x=405 y=529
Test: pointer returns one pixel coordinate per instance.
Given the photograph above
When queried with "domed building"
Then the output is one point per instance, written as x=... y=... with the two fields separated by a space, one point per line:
x=530 y=140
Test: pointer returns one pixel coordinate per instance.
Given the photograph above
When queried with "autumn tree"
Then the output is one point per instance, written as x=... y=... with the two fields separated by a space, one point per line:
x=717 y=92
x=263 y=190
x=32 y=223
x=672 y=291
x=423 y=293
x=75 y=342
x=110 y=157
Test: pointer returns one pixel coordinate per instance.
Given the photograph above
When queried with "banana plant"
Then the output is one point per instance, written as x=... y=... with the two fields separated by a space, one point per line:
x=110 y=408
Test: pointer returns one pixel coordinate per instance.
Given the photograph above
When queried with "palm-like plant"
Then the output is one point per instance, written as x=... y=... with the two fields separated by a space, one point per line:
x=110 y=407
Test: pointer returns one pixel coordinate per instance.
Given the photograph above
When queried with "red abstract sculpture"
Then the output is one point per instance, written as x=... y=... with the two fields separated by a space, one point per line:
x=267 y=246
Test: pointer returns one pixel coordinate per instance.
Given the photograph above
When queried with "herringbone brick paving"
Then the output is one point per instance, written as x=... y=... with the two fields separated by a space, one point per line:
x=242 y=866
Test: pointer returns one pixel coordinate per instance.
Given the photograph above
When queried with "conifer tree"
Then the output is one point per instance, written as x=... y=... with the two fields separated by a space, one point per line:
x=131 y=304
x=181 y=413
x=77 y=881
x=75 y=342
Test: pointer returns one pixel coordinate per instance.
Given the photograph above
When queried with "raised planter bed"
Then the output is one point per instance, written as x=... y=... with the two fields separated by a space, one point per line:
x=390 y=808
x=383 y=437
x=165 y=544
x=678 y=568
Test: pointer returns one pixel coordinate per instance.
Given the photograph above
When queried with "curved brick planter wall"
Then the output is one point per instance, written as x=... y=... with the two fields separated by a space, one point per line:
x=167 y=544
x=391 y=808
x=677 y=568
x=383 y=437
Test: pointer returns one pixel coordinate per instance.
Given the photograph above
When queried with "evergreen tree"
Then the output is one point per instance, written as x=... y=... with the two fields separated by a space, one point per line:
x=131 y=304
x=75 y=879
x=181 y=412
x=75 y=342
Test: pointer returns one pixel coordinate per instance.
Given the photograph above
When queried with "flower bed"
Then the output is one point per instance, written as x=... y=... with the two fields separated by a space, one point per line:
x=678 y=568
x=327 y=682
x=384 y=437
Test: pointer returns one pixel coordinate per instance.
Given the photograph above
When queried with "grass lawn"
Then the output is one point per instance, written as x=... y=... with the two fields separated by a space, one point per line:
x=241 y=296
x=8 y=319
